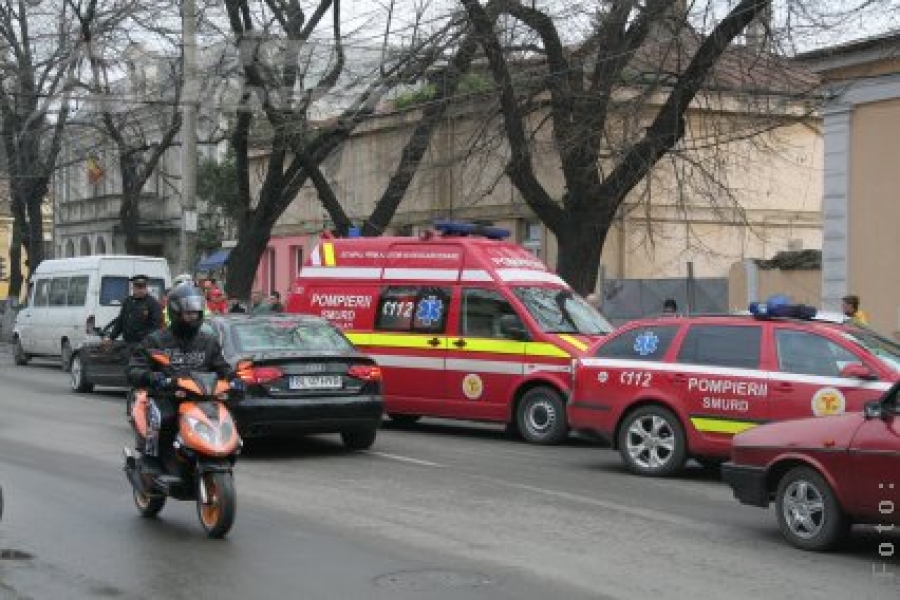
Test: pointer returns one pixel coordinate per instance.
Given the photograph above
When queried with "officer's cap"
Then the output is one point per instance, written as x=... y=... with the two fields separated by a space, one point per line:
x=139 y=280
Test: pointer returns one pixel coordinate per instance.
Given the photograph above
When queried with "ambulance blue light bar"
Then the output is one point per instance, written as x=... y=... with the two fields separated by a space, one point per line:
x=463 y=228
x=772 y=309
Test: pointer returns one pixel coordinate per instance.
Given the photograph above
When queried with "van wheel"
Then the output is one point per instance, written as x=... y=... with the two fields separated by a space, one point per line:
x=652 y=442
x=65 y=356
x=809 y=514
x=78 y=376
x=541 y=416
x=19 y=355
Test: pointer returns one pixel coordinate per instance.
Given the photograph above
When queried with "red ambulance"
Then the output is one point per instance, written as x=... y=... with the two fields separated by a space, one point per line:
x=464 y=324
x=667 y=389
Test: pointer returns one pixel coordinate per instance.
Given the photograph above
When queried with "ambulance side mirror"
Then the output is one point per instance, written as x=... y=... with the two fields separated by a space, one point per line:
x=511 y=327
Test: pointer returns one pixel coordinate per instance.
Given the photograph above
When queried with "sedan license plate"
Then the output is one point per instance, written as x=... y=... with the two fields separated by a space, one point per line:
x=315 y=382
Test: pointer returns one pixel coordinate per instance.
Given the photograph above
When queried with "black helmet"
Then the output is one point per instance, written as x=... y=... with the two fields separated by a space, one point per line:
x=182 y=299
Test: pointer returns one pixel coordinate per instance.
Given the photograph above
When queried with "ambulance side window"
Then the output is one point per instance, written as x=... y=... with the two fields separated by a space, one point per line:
x=722 y=345
x=481 y=313
x=415 y=309
x=641 y=343
x=811 y=354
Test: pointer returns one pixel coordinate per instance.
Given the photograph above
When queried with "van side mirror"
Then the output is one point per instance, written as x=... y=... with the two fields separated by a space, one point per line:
x=511 y=326
x=858 y=371
x=873 y=410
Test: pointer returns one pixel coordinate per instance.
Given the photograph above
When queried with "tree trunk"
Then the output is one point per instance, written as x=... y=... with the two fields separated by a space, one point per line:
x=15 y=263
x=129 y=216
x=243 y=261
x=580 y=243
x=35 y=228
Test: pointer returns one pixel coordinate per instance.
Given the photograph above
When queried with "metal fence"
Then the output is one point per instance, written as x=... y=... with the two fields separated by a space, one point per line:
x=627 y=299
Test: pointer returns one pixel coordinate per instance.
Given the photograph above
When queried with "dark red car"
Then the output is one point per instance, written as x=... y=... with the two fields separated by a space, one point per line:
x=823 y=474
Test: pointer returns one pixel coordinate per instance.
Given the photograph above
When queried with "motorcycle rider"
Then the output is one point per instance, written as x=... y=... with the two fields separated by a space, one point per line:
x=188 y=349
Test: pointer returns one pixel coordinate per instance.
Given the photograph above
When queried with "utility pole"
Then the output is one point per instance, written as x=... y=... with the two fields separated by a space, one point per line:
x=190 y=96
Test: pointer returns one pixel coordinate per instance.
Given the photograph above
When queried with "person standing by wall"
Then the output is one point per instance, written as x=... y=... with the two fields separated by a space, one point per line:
x=853 y=311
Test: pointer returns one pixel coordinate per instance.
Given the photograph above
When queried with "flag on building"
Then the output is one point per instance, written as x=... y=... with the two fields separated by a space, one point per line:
x=94 y=170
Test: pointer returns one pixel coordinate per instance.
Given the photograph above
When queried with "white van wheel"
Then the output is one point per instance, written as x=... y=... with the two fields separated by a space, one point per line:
x=65 y=356
x=19 y=355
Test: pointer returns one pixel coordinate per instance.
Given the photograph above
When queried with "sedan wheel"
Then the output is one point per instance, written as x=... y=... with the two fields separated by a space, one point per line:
x=652 y=442
x=78 y=377
x=808 y=511
x=19 y=355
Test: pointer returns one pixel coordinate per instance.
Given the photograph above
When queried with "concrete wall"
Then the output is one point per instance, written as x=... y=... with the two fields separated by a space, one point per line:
x=802 y=286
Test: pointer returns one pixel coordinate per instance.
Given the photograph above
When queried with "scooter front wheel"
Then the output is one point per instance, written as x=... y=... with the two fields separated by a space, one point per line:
x=148 y=506
x=216 y=503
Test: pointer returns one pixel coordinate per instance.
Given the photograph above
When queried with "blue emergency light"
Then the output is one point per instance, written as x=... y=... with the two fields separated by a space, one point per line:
x=463 y=228
x=780 y=306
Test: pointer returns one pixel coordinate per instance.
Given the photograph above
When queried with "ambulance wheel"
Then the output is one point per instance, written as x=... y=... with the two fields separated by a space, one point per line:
x=359 y=439
x=809 y=514
x=401 y=419
x=652 y=442
x=541 y=416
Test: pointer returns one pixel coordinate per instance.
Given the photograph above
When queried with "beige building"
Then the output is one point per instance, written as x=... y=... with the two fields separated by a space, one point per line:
x=775 y=179
x=862 y=181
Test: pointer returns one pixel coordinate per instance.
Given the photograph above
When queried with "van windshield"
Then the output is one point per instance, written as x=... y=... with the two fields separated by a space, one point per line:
x=115 y=289
x=562 y=311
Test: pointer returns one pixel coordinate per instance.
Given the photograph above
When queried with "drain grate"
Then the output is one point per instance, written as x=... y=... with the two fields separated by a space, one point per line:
x=8 y=554
x=433 y=579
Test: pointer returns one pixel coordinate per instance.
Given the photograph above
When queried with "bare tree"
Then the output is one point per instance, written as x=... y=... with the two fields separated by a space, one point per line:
x=285 y=73
x=41 y=51
x=141 y=131
x=616 y=95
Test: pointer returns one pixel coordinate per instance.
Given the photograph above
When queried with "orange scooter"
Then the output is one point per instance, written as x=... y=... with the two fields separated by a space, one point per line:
x=205 y=450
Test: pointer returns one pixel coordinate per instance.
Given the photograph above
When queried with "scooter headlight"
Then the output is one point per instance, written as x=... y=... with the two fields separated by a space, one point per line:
x=203 y=430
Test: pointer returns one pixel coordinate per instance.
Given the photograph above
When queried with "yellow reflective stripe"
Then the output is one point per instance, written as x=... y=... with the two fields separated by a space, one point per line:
x=328 y=254
x=545 y=349
x=721 y=425
x=574 y=341
x=488 y=345
x=396 y=340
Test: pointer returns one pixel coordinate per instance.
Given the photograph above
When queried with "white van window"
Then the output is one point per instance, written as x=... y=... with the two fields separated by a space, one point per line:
x=115 y=289
x=42 y=293
x=58 y=291
x=78 y=290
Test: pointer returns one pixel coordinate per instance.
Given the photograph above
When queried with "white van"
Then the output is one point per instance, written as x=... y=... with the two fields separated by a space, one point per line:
x=69 y=298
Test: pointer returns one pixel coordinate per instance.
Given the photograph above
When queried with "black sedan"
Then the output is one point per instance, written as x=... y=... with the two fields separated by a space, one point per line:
x=306 y=377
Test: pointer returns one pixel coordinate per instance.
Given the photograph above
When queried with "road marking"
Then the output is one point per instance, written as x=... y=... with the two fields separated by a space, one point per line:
x=405 y=459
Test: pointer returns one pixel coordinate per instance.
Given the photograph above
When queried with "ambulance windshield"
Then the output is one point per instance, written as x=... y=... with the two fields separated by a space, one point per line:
x=561 y=311
x=884 y=349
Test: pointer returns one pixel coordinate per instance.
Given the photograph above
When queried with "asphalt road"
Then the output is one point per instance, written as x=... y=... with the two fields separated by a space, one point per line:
x=439 y=510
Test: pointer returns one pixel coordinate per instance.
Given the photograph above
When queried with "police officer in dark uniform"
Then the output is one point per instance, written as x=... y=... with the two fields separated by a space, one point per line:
x=140 y=315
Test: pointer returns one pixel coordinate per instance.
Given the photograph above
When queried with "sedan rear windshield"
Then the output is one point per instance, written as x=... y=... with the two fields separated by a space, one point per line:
x=287 y=335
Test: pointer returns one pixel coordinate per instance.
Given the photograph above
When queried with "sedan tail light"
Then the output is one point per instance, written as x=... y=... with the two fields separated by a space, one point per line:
x=365 y=372
x=258 y=375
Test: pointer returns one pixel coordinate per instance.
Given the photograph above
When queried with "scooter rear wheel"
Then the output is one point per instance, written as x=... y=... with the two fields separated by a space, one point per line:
x=217 y=513
x=148 y=506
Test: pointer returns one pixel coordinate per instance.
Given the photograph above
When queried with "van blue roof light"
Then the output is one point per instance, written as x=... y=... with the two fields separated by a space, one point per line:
x=463 y=228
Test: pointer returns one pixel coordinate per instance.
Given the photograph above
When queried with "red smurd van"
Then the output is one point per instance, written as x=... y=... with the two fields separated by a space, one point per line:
x=464 y=324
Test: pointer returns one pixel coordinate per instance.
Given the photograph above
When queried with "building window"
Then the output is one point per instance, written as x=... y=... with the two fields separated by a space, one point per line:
x=296 y=260
x=533 y=237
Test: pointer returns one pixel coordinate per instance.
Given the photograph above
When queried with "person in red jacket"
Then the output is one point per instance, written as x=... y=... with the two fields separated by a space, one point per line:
x=216 y=301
